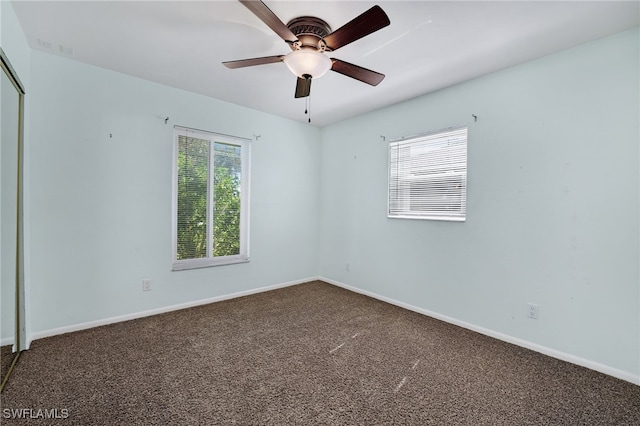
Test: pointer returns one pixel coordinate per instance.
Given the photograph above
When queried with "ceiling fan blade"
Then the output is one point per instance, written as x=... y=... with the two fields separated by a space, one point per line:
x=303 y=87
x=268 y=17
x=370 y=21
x=253 y=61
x=354 y=71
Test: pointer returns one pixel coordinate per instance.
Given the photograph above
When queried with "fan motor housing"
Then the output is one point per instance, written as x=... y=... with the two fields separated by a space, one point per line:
x=310 y=31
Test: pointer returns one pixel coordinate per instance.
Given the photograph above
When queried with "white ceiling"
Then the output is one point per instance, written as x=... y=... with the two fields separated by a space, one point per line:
x=428 y=46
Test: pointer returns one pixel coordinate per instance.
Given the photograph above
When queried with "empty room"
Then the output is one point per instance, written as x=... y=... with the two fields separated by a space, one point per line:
x=320 y=212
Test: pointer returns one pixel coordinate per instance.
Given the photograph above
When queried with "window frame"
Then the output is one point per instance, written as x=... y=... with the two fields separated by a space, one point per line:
x=449 y=170
x=211 y=260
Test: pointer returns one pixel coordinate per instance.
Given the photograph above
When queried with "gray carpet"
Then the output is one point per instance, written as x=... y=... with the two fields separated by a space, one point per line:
x=6 y=358
x=311 y=354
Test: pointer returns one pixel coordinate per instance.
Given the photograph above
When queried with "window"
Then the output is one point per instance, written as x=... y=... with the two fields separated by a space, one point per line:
x=210 y=199
x=428 y=176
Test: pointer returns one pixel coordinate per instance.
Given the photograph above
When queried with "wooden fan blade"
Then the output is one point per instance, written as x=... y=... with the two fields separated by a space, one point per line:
x=268 y=17
x=303 y=87
x=354 y=71
x=253 y=61
x=370 y=21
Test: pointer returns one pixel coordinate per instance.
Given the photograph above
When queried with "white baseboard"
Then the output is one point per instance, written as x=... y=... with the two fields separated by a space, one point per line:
x=162 y=310
x=602 y=368
x=7 y=341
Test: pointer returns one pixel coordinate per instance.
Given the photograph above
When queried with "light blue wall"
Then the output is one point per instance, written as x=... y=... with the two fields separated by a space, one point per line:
x=101 y=162
x=553 y=196
x=14 y=42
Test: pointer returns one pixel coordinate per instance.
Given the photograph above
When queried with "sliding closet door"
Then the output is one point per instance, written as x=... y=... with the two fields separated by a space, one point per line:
x=9 y=136
x=12 y=335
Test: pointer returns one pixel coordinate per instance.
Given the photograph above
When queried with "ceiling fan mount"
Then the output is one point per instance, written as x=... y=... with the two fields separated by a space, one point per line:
x=309 y=38
x=310 y=32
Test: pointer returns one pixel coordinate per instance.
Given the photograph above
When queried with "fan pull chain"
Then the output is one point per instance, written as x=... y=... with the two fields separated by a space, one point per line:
x=308 y=108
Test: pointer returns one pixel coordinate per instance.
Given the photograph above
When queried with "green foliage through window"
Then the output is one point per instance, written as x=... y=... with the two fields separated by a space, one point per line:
x=226 y=196
x=208 y=210
x=193 y=177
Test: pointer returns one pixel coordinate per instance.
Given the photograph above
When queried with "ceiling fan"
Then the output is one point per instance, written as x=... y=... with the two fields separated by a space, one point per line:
x=309 y=39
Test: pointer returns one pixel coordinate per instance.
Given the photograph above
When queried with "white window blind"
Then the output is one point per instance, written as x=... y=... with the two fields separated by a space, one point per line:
x=428 y=176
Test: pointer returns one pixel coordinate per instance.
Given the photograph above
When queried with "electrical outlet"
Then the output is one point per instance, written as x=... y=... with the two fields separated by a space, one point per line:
x=532 y=310
x=347 y=266
x=146 y=284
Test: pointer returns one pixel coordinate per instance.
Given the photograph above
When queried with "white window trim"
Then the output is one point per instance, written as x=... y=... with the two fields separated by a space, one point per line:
x=243 y=257
x=396 y=143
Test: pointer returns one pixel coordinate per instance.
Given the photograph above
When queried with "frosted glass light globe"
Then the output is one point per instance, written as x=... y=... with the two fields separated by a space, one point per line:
x=308 y=62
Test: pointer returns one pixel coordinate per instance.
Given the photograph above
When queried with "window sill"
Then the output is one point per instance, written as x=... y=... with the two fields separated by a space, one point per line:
x=444 y=218
x=182 y=265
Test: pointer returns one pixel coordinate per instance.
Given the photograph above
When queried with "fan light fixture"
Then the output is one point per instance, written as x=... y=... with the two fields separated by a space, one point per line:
x=308 y=62
x=310 y=38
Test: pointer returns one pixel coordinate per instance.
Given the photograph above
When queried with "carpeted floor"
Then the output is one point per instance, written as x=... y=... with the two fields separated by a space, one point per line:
x=311 y=354
x=6 y=358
